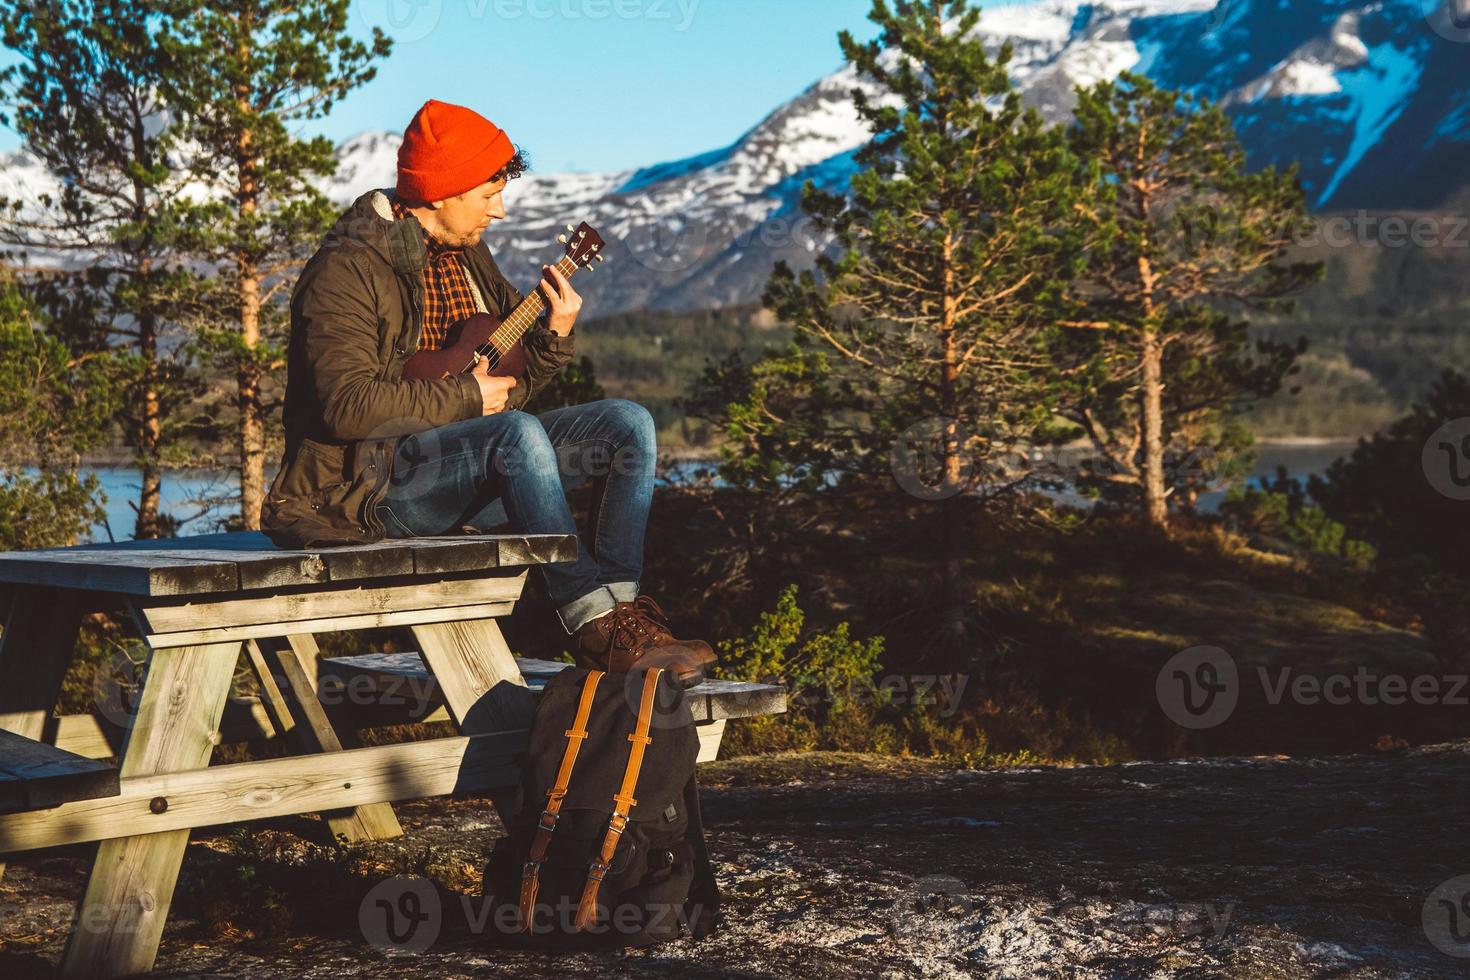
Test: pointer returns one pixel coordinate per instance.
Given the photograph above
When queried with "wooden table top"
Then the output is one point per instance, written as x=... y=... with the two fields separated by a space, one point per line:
x=246 y=561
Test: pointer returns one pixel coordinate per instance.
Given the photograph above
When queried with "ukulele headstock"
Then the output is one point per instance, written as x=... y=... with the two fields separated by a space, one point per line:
x=584 y=245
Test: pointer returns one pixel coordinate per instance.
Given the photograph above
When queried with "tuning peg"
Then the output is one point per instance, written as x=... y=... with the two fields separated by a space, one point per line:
x=571 y=227
x=562 y=239
x=602 y=258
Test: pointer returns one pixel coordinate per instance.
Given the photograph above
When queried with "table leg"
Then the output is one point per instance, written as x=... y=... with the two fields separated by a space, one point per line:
x=481 y=684
x=36 y=647
x=287 y=672
x=131 y=884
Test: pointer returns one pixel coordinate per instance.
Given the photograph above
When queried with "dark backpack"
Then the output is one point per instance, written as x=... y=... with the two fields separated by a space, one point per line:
x=606 y=848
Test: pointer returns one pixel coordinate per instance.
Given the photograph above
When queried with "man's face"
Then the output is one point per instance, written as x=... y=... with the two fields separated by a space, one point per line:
x=463 y=219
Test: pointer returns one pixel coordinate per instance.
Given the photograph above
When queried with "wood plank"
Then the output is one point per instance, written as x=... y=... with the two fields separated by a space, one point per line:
x=34 y=775
x=710 y=735
x=275 y=788
x=272 y=697
x=245 y=720
x=481 y=684
x=475 y=552
x=309 y=656
x=381 y=559
x=385 y=559
x=339 y=624
x=215 y=563
x=256 y=570
x=131 y=884
x=477 y=675
x=306 y=604
x=292 y=697
x=257 y=542
x=127 y=573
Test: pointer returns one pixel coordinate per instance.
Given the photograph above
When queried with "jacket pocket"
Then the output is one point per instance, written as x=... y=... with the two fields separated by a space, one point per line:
x=315 y=466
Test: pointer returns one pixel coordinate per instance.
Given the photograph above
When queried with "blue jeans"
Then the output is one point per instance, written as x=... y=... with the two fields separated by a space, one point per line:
x=517 y=467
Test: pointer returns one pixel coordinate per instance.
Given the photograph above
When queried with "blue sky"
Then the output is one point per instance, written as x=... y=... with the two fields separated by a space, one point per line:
x=594 y=84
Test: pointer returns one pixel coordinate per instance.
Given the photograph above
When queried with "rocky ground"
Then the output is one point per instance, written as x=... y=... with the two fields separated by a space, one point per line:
x=841 y=866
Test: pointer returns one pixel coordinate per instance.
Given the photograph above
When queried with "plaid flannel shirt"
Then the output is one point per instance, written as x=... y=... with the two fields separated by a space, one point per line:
x=447 y=295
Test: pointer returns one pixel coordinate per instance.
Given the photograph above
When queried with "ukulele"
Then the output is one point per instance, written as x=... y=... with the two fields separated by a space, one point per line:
x=487 y=337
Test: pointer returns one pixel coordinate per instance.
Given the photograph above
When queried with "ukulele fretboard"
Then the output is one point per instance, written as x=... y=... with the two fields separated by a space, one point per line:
x=523 y=317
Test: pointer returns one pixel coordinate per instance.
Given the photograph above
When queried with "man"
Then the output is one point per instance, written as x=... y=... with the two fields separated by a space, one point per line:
x=370 y=455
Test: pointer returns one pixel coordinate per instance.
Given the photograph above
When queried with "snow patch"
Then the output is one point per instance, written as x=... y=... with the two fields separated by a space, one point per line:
x=1308 y=78
x=1379 y=92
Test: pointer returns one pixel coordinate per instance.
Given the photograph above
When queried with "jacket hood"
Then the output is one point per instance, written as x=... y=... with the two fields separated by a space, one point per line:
x=370 y=221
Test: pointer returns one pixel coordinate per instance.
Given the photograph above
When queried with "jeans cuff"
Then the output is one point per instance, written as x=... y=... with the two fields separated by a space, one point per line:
x=623 y=591
x=579 y=612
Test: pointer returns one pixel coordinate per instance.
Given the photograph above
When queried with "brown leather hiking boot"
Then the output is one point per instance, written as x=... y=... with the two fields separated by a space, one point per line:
x=637 y=635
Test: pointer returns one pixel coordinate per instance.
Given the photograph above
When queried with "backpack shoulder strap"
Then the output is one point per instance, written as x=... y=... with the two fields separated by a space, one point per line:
x=623 y=802
x=576 y=735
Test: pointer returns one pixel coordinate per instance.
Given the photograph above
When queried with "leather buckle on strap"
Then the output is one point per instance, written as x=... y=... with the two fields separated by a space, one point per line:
x=548 y=821
x=530 y=869
x=597 y=871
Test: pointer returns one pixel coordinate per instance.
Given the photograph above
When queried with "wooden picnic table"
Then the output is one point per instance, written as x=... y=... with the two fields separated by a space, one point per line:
x=199 y=603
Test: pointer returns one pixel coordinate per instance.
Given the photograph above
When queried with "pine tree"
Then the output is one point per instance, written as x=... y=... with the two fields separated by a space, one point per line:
x=920 y=345
x=243 y=74
x=85 y=100
x=1182 y=236
x=54 y=406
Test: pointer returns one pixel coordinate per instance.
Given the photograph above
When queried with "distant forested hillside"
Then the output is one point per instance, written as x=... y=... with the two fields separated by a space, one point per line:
x=1389 y=316
x=654 y=358
x=1393 y=311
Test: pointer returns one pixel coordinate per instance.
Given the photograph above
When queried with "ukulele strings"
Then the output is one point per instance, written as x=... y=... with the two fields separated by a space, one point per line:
x=518 y=322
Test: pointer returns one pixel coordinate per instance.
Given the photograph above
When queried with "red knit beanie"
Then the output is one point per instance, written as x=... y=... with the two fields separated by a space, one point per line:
x=447 y=150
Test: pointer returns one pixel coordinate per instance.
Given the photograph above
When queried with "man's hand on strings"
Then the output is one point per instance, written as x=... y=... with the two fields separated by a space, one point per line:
x=561 y=299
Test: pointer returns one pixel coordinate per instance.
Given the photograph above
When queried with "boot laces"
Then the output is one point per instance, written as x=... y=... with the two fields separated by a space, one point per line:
x=653 y=612
x=640 y=621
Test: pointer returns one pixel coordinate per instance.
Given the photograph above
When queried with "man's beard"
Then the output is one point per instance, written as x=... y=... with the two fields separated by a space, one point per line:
x=462 y=241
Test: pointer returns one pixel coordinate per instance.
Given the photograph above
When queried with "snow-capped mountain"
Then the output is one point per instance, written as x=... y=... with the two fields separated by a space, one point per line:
x=698 y=232
x=1370 y=99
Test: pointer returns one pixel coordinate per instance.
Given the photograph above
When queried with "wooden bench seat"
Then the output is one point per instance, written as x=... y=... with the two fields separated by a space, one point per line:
x=37 y=776
x=380 y=687
x=712 y=700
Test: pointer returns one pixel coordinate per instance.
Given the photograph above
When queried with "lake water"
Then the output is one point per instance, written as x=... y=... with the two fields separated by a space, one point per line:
x=185 y=492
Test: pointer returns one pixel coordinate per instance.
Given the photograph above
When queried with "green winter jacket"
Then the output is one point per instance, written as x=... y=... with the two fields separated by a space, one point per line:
x=356 y=317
